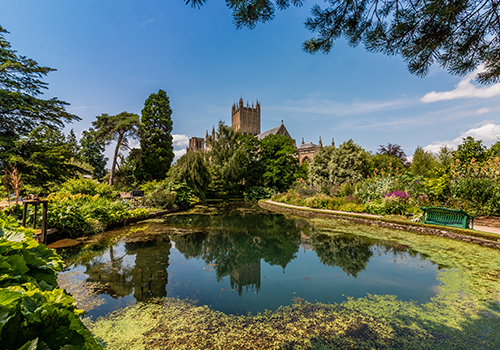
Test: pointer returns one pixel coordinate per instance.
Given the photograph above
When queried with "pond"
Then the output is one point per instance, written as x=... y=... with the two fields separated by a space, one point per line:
x=240 y=259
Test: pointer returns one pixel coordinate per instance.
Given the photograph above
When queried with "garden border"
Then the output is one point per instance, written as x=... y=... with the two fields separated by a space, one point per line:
x=477 y=237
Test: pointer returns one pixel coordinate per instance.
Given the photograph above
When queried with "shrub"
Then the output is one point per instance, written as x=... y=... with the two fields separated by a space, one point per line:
x=258 y=192
x=88 y=187
x=167 y=194
x=35 y=313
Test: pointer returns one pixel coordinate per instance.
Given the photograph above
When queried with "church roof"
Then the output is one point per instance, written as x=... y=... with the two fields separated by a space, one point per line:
x=274 y=131
x=307 y=145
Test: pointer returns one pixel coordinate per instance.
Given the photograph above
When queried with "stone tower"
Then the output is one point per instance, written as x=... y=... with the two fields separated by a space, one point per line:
x=246 y=119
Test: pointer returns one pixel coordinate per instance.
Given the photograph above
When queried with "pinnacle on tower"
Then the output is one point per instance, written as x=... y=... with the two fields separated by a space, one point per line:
x=320 y=142
x=213 y=133
x=333 y=143
x=302 y=140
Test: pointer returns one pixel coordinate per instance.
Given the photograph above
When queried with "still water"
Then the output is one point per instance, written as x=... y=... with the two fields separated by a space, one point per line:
x=240 y=259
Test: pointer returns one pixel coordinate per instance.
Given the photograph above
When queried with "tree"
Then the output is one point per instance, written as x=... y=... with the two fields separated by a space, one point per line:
x=92 y=152
x=117 y=128
x=445 y=157
x=21 y=108
x=382 y=161
x=44 y=158
x=423 y=163
x=192 y=169
x=494 y=150
x=470 y=148
x=394 y=150
x=252 y=163
x=458 y=35
x=73 y=146
x=349 y=162
x=281 y=162
x=318 y=170
x=226 y=156
x=156 y=137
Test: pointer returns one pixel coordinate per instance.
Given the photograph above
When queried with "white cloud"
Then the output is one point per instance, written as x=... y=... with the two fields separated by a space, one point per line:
x=464 y=89
x=180 y=140
x=178 y=154
x=483 y=111
x=489 y=133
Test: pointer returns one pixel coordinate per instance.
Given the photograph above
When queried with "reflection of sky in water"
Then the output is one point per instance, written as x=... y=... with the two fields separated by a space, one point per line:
x=238 y=269
x=267 y=287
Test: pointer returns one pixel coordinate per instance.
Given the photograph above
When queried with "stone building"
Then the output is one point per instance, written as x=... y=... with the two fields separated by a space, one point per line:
x=246 y=119
x=308 y=150
x=196 y=144
x=279 y=130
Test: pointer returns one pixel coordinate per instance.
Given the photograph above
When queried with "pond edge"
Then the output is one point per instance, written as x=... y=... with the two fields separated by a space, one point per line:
x=476 y=237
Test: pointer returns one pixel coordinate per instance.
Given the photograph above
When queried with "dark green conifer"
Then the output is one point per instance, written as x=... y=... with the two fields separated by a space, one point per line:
x=156 y=138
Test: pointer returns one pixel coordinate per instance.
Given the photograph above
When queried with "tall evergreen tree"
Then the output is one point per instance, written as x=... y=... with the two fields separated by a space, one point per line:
x=156 y=137
x=117 y=128
x=21 y=108
x=92 y=152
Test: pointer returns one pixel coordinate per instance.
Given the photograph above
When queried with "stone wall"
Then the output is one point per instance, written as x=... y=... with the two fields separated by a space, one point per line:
x=420 y=229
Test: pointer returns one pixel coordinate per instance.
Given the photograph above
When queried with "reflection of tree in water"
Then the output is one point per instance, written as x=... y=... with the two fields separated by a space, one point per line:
x=146 y=278
x=350 y=253
x=150 y=275
x=111 y=275
x=236 y=243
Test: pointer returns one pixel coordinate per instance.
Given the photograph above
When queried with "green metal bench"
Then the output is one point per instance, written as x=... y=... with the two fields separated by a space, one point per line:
x=447 y=217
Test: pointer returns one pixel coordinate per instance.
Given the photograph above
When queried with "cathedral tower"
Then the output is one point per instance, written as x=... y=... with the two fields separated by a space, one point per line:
x=246 y=119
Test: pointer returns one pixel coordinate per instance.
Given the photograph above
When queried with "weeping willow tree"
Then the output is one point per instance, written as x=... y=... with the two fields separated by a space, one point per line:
x=192 y=169
x=226 y=156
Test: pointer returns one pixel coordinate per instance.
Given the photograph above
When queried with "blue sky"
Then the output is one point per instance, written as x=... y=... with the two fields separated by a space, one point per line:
x=111 y=54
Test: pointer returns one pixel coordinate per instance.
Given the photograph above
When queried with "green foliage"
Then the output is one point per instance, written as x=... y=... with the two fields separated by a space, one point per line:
x=117 y=128
x=476 y=187
x=394 y=150
x=348 y=163
x=92 y=152
x=192 y=169
x=82 y=215
x=424 y=163
x=21 y=108
x=470 y=149
x=318 y=169
x=257 y=192
x=280 y=159
x=226 y=156
x=167 y=194
x=34 y=312
x=494 y=150
x=385 y=162
x=156 y=138
x=44 y=158
x=445 y=158
x=88 y=187
x=125 y=179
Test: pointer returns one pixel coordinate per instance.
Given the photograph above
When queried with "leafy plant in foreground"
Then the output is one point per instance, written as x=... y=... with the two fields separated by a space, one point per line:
x=34 y=313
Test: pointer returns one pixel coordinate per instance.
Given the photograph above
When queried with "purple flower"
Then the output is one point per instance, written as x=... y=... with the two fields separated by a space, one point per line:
x=397 y=194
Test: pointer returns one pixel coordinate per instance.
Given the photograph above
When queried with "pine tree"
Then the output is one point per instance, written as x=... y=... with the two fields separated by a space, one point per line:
x=117 y=128
x=156 y=138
